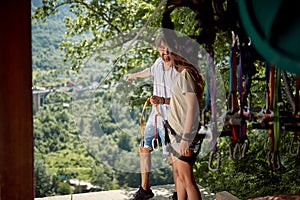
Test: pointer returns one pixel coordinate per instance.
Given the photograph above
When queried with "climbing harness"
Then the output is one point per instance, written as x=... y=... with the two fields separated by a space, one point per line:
x=236 y=115
x=272 y=122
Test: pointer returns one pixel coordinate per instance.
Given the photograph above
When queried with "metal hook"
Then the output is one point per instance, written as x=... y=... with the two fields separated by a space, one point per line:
x=250 y=42
x=245 y=147
x=155 y=144
x=294 y=142
x=234 y=147
x=210 y=162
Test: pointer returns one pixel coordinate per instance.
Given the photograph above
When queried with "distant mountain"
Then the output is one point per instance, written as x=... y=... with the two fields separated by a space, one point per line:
x=46 y=38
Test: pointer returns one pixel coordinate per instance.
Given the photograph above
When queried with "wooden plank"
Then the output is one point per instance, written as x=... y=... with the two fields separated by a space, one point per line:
x=224 y=195
x=16 y=138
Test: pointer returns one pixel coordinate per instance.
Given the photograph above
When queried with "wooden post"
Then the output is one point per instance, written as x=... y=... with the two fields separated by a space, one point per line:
x=16 y=132
x=224 y=195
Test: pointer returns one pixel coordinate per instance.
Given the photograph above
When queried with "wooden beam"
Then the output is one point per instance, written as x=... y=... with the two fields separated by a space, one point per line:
x=16 y=126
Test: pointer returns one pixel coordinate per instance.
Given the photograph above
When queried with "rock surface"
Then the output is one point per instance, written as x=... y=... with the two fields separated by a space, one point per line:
x=161 y=193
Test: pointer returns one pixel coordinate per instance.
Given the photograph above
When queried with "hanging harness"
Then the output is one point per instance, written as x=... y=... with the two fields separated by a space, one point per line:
x=236 y=115
x=271 y=120
x=195 y=143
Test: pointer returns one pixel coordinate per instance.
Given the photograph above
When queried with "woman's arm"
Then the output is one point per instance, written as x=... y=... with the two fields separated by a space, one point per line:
x=192 y=106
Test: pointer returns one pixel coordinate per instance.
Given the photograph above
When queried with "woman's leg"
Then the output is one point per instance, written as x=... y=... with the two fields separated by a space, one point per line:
x=187 y=180
x=180 y=189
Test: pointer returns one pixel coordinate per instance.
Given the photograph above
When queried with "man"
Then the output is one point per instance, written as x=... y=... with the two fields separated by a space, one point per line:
x=162 y=73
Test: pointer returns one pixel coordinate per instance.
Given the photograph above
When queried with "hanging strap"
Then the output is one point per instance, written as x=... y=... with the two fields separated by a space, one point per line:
x=294 y=149
x=143 y=121
x=239 y=142
x=155 y=141
x=268 y=117
x=276 y=158
x=233 y=101
x=243 y=141
x=214 y=153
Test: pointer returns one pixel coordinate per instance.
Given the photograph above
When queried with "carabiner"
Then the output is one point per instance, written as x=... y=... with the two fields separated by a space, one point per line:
x=267 y=142
x=233 y=149
x=155 y=141
x=155 y=144
x=245 y=147
x=294 y=143
x=218 y=160
x=276 y=161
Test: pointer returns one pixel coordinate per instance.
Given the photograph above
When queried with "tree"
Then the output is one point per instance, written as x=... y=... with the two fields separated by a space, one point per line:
x=96 y=22
x=44 y=185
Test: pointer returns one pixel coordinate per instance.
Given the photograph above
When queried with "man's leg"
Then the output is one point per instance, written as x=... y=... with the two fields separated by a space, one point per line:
x=145 y=165
x=144 y=191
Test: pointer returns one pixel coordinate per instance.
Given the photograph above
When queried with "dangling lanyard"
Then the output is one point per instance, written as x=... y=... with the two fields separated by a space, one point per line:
x=276 y=165
x=243 y=139
x=155 y=142
x=239 y=141
x=214 y=152
x=142 y=121
x=295 y=142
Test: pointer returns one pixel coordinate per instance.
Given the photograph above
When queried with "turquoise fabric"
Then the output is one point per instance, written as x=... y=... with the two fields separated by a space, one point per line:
x=274 y=28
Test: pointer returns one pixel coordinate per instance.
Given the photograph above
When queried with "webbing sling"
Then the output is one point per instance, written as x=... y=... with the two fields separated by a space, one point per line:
x=269 y=115
x=233 y=101
x=276 y=165
x=239 y=142
x=295 y=142
x=155 y=141
x=243 y=141
x=143 y=121
x=214 y=153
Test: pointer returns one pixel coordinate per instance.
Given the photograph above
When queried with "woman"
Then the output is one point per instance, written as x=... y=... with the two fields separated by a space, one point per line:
x=183 y=119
